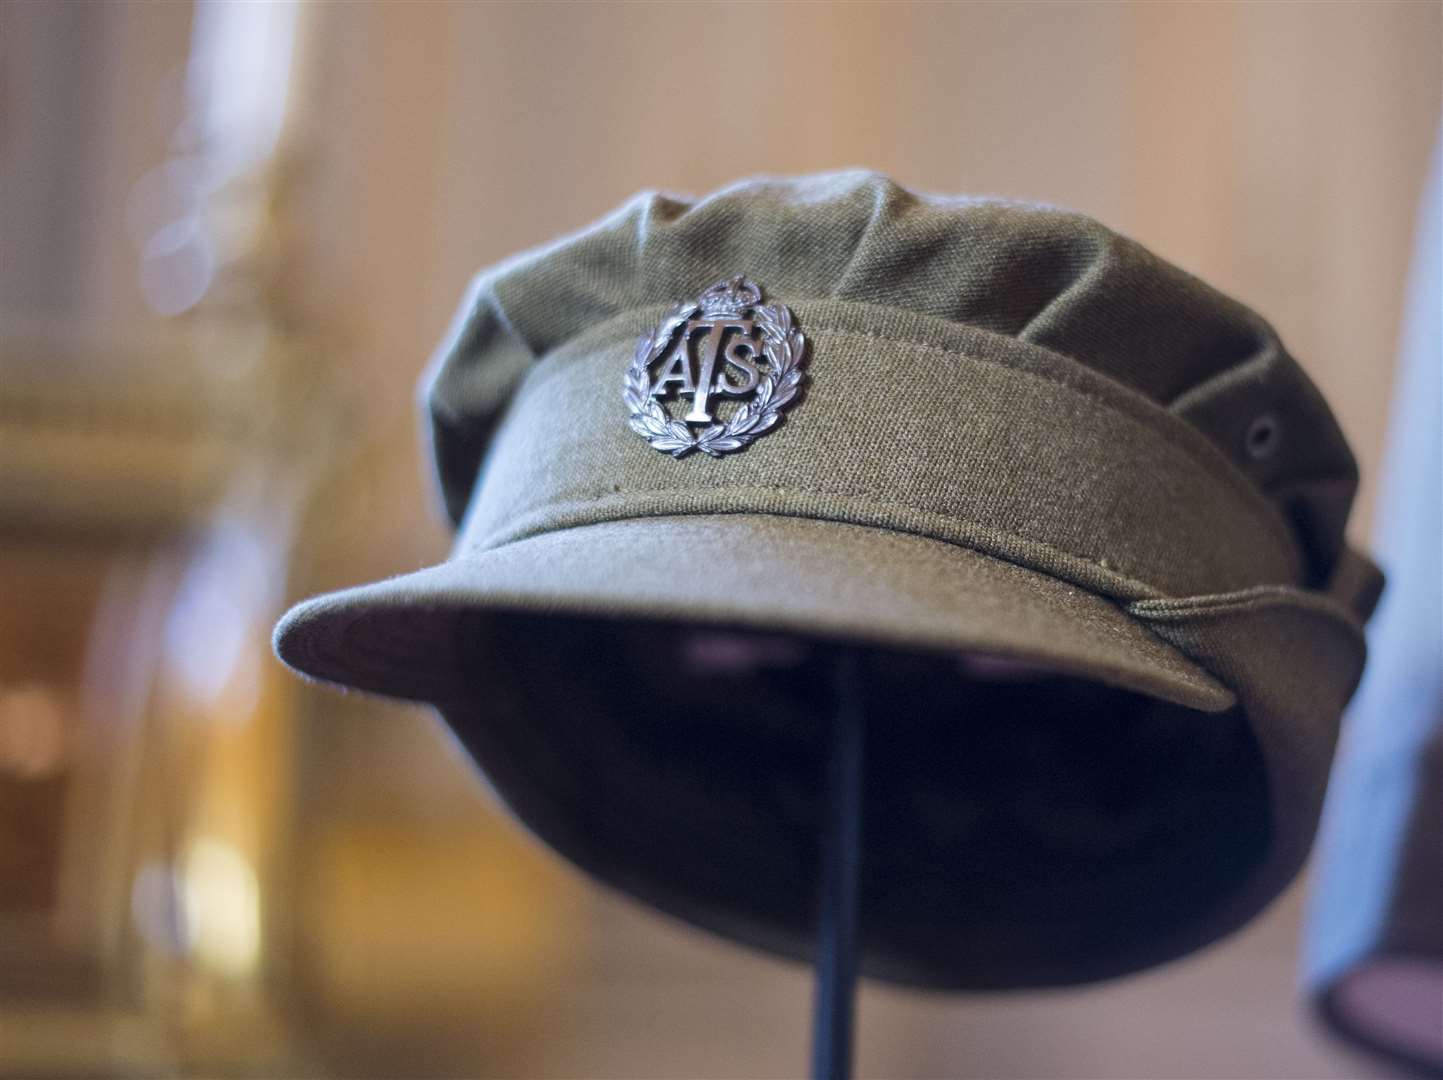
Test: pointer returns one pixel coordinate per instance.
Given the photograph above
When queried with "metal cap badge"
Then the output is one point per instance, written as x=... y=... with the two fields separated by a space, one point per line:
x=725 y=344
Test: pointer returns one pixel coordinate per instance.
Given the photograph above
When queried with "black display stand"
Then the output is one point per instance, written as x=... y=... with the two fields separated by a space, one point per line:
x=836 y=953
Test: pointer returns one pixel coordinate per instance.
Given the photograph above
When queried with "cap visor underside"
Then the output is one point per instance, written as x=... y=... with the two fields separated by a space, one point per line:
x=770 y=573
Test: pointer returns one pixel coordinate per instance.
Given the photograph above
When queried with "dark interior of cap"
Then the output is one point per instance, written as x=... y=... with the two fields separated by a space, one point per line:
x=1021 y=828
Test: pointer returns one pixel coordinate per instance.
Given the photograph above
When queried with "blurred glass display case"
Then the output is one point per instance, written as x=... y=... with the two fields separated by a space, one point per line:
x=207 y=868
x=144 y=747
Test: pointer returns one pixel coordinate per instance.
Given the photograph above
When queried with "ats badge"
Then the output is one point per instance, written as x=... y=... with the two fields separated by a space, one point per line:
x=738 y=360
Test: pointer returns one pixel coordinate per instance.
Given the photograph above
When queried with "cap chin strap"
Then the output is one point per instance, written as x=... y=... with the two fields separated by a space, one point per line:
x=1356 y=583
x=1288 y=650
x=1293 y=657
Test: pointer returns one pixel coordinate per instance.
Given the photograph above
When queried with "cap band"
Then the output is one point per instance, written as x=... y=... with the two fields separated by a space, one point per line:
x=912 y=424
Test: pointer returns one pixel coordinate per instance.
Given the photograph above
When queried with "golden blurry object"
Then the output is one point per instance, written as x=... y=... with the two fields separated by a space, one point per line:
x=175 y=897
x=144 y=754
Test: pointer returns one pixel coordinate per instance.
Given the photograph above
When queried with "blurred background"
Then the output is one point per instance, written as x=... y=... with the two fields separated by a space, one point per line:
x=230 y=233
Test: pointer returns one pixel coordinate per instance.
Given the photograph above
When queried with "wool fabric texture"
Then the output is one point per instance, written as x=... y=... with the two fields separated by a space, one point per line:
x=1022 y=438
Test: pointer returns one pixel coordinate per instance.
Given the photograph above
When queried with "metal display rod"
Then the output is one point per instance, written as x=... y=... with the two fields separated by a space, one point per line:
x=836 y=952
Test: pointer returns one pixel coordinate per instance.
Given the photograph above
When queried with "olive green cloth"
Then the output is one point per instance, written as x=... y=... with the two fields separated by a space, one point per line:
x=1021 y=436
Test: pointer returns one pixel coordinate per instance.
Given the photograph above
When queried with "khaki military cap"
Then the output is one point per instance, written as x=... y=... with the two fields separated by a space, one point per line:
x=1080 y=516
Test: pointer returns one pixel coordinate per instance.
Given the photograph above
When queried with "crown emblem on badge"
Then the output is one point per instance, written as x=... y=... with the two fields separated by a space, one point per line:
x=737 y=359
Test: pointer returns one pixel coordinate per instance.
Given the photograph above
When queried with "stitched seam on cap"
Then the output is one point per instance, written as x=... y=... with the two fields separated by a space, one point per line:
x=1246 y=601
x=1108 y=580
x=862 y=497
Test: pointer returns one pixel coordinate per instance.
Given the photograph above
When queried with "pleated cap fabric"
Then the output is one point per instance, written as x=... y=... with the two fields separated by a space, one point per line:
x=1021 y=438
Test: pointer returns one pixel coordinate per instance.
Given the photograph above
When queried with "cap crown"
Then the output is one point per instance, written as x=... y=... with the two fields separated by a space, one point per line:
x=1043 y=276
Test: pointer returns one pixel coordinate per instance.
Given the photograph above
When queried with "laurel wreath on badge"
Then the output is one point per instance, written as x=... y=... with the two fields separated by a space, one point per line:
x=783 y=346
